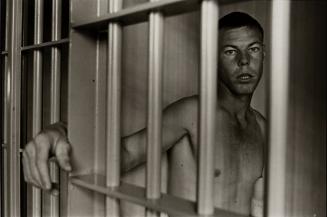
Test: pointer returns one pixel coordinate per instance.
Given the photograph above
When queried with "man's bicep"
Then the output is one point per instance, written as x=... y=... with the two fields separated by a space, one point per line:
x=179 y=119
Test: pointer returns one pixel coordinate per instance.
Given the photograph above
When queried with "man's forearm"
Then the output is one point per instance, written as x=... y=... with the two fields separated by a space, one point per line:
x=133 y=150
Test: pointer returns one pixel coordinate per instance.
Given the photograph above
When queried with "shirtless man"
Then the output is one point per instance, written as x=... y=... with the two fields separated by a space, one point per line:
x=239 y=149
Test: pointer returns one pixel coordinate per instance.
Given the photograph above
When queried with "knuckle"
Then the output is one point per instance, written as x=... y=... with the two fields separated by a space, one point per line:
x=41 y=141
x=62 y=158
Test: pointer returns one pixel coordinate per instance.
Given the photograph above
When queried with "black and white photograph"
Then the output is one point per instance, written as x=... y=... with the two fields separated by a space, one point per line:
x=163 y=108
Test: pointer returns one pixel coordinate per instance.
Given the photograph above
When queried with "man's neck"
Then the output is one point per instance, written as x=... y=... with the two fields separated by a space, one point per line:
x=235 y=105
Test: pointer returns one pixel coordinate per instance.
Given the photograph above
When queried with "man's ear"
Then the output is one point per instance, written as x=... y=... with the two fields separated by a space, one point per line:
x=264 y=50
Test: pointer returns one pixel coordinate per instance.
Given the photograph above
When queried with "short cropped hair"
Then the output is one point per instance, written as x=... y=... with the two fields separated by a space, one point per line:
x=239 y=19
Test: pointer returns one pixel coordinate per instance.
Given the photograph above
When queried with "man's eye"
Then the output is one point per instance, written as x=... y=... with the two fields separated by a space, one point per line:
x=254 y=49
x=230 y=52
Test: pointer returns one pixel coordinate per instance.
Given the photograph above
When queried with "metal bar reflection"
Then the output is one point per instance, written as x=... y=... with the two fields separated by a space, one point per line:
x=37 y=93
x=113 y=108
x=154 y=124
x=278 y=108
x=208 y=98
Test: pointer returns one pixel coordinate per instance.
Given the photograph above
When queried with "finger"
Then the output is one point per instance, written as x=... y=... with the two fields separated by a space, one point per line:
x=26 y=168
x=42 y=155
x=62 y=155
x=32 y=179
x=30 y=149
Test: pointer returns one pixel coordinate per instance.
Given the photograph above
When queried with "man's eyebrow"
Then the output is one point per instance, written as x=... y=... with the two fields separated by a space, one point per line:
x=256 y=42
x=227 y=45
x=251 y=44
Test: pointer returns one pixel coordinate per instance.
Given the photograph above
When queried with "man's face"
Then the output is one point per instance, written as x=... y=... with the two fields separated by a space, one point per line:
x=241 y=54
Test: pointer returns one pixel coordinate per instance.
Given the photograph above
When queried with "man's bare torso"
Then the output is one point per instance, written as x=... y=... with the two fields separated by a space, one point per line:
x=238 y=162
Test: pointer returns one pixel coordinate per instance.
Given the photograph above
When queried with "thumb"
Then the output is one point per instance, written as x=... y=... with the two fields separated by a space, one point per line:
x=62 y=152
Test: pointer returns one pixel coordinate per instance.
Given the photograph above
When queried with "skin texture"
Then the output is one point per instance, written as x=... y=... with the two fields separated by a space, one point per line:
x=239 y=134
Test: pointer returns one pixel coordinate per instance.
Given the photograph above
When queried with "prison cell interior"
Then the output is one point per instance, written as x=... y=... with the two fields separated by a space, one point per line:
x=99 y=42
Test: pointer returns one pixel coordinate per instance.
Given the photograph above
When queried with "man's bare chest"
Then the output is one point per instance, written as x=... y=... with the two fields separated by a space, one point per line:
x=239 y=153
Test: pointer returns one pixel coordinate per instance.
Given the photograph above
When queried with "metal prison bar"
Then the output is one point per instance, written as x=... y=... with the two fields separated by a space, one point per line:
x=12 y=92
x=55 y=94
x=154 y=134
x=278 y=108
x=12 y=89
x=113 y=108
x=37 y=94
x=128 y=192
x=4 y=145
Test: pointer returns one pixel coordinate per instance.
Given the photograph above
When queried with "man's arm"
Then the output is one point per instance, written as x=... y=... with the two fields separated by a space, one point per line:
x=178 y=120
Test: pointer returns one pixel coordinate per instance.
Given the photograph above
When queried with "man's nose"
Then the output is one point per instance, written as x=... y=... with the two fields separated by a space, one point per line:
x=243 y=58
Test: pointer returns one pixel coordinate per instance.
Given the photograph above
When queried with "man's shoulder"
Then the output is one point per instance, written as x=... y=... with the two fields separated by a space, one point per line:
x=189 y=102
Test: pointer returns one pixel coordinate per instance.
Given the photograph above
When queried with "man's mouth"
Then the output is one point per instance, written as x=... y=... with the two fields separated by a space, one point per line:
x=244 y=77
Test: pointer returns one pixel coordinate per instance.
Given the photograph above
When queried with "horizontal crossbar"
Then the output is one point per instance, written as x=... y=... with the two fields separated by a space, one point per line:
x=135 y=194
x=45 y=44
x=139 y=13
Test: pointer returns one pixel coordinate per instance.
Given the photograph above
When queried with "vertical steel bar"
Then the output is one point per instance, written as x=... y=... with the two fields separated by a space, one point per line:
x=55 y=94
x=208 y=99
x=5 y=116
x=37 y=93
x=154 y=122
x=278 y=108
x=13 y=93
x=113 y=108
